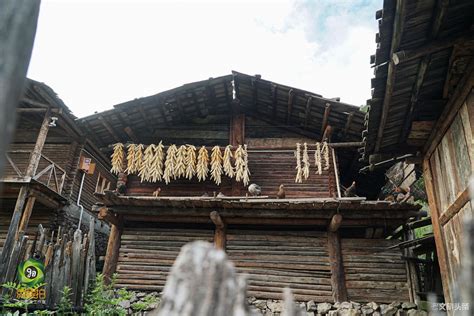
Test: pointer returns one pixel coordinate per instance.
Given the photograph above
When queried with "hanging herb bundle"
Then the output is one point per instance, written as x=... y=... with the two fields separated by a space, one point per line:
x=170 y=164
x=299 y=171
x=239 y=163
x=202 y=164
x=131 y=168
x=147 y=165
x=117 y=158
x=246 y=177
x=190 y=161
x=157 y=163
x=306 y=163
x=317 y=158
x=325 y=152
x=180 y=162
x=228 y=156
x=216 y=165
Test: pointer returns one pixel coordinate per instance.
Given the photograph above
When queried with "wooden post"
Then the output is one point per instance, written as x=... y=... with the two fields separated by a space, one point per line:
x=40 y=140
x=220 y=237
x=438 y=234
x=338 y=279
x=237 y=137
x=113 y=249
x=26 y=214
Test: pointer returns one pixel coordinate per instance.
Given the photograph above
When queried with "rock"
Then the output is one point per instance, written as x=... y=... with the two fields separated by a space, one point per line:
x=275 y=306
x=260 y=304
x=346 y=305
x=415 y=312
x=251 y=299
x=336 y=305
x=332 y=313
x=141 y=295
x=387 y=310
x=367 y=310
x=408 y=305
x=376 y=313
x=124 y=304
x=373 y=305
x=396 y=304
x=154 y=305
x=348 y=312
x=133 y=298
x=323 y=308
x=310 y=314
x=355 y=305
x=401 y=312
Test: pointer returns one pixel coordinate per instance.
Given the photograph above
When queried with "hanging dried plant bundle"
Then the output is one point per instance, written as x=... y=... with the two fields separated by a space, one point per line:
x=146 y=168
x=180 y=168
x=216 y=164
x=317 y=159
x=246 y=177
x=239 y=163
x=325 y=152
x=157 y=163
x=299 y=171
x=228 y=156
x=131 y=168
x=202 y=164
x=117 y=158
x=138 y=157
x=190 y=161
x=305 y=161
x=170 y=164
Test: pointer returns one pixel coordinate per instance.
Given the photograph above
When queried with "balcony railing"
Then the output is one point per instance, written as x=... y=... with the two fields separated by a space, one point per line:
x=48 y=172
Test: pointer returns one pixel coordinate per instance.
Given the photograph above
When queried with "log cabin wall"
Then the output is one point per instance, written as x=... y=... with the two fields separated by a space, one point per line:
x=448 y=170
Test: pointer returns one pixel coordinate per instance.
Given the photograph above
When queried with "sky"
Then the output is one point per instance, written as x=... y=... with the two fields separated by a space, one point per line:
x=95 y=54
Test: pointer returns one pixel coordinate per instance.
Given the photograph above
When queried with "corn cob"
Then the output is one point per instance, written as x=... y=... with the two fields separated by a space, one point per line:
x=190 y=161
x=228 y=156
x=157 y=163
x=117 y=158
x=239 y=163
x=202 y=164
x=131 y=168
x=305 y=161
x=170 y=164
x=180 y=163
x=325 y=151
x=317 y=158
x=246 y=176
x=147 y=166
x=216 y=165
x=299 y=171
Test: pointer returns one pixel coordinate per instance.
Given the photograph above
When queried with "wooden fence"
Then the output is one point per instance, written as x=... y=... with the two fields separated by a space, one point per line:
x=69 y=260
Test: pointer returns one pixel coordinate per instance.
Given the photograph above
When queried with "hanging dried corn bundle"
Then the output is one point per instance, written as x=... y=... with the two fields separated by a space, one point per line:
x=138 y=157
x=228 y=156
x=317 y=159
x=202 y=164
x=117 y=158
x=131 y=168
x=190 y=161
x=147 y=166
x=157 y=163
x=170 y=164
x=305 y=161
x=299 y=170
x=216 y=164
x=246 y=177
x=180 y=162
x=325 y=152
x=239 y=163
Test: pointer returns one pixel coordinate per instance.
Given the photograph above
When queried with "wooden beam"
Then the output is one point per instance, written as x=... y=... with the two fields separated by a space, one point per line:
x=335 y=223
x=228 y=97
x=430 y=48
x=291 y=97
x=454 y=208
x=307 y=111
x=220 y=237
x=437 y=231
x=25 y=218
x=35 y=103
x=338 y=280
x=327 y=134
x=40 y=140
x=128 y=130
x=113 y=250
x=105 y=214
x=274 y=93
x=324 y=123
x=396 y=37
x=450 y=111
x=350 y=117
x=35 y=110
x=109 y=128
x=237 y=130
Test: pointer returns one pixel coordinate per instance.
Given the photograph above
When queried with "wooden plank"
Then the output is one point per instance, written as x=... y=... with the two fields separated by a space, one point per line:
x=338 y=281
x=454 y=208
x=398 y=23
x=439 y=238
x=113 y=250
x=335 y=223
x=220 y=231
x=25 y=218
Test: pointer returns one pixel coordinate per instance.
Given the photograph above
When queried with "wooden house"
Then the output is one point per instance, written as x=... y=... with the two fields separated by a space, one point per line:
x=322 y=245
x=44 y=181
x=422 y=108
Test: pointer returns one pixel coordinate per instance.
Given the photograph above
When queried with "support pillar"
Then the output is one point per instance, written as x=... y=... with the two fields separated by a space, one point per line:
x=220 y=237
x=338 y=279
x=113 y=245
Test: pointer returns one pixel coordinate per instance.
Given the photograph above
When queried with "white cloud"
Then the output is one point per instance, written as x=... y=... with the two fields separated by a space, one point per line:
x=97 y=54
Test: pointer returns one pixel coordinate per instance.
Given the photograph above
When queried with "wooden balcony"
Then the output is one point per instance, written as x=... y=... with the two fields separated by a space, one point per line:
x=48 y=172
